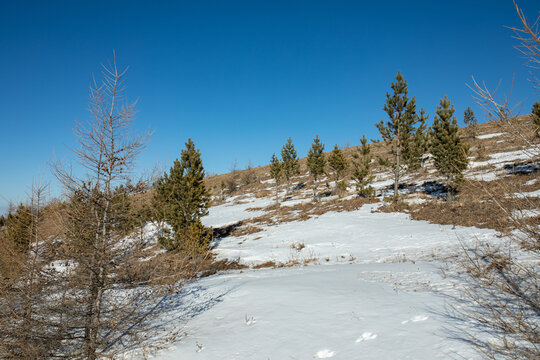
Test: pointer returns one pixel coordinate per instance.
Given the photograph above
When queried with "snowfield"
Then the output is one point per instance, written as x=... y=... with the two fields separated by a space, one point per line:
x=355 y=236
x=361 y=284
x=319 y=312
x=381 y=293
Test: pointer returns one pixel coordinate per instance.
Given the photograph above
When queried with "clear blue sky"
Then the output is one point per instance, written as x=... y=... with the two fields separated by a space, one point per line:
x=239 y=77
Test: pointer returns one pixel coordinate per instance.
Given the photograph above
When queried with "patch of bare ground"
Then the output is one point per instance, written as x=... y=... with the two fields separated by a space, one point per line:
x=167 y=268
x=492 y=204
x=291 y=263
x=276 y=214
x=267 y=264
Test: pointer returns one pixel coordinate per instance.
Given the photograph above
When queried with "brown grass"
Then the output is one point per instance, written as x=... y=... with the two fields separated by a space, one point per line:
x=475 y=206
x=267 y=264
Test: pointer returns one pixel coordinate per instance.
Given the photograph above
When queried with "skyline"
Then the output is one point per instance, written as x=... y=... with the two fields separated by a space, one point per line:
x=239 y=79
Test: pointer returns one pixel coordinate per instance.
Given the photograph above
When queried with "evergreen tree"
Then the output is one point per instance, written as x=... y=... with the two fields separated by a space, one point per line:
x=338 y=164
x=399 y=131
x=420 y=143
x=449 y=152
x=290 y=164
x=362 y=169
x=276 y=172
x=536 y=118
x=184 y=197
x=223 y=187
x=316 y=162
x=470 y=121
x=19 y=228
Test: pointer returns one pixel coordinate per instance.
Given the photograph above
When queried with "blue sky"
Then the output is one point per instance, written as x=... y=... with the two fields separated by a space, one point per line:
x=239 y=77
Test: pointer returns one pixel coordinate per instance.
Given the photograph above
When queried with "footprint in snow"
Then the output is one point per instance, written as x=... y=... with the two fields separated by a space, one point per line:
x=416 y=318
x=324 y=354
x=366 y=336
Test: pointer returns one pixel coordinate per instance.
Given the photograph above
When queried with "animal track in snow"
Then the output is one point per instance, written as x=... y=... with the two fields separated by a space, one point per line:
x=416 y=318
x=366 y=336
x=324 y=354
x=249 y=320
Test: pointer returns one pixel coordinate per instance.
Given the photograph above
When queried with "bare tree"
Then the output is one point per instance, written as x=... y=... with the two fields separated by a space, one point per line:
x=503 y=284
x=528 y=36
x=106 y=303
x=28 y=327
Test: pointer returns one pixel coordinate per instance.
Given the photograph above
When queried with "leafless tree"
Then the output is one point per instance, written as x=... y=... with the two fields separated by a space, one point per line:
x=528 y=36
x=501 y=311
x=108 y=298
x=28 y=327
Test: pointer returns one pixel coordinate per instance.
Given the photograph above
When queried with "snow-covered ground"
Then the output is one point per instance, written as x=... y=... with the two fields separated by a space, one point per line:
x=373 y=289
x=338 y=311
x=343 y=285
x=355 y=236
x=489 y=136
x=235 y=210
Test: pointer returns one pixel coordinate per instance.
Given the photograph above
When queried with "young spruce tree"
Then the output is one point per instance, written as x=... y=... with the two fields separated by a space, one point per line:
x=338 y=164
x=276 y=172
x=421 y=142
x=470 y=121
x=449 y=152
x=316 y=162
x=186 y=200
x=362 y=169
x=400 y=131
x=290 y=164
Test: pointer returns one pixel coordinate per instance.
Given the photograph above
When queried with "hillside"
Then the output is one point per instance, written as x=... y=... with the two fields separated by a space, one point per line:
x=348 y=277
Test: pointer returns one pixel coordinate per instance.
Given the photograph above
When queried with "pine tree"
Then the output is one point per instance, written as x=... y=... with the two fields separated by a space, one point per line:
x=222 y=188
x=362 y=169
x=470 y=121
x=184 y=196
x=276 y=172
x=449 y=152
x=421 y=139
x=399 y=131
x=536 y=118
x=338 y=164
x=290 y=164
x=316 y=162
x=19 y=228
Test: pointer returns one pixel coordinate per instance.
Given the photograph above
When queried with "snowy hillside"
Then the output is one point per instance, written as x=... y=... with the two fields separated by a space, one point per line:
x=340 y=283
x=381 y=297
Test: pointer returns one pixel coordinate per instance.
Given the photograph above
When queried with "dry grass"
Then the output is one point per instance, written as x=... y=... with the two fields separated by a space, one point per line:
x=267 y=264
x=476 y=207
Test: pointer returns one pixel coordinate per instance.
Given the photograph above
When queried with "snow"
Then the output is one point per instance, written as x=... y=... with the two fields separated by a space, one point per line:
x=497 y=163
x=499 y=159
x=373 y=288
x=489 y=136
x=520 y=214
x=231 y=213
x=339 y=236
x=317 y=312
x=527 y=194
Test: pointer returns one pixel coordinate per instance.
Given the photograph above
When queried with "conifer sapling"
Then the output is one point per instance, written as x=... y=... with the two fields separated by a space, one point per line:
x=470 y=121
x=276 y=172
x=362 y=169
x=450 y=154
x=290 y=164
x=399 y=131
x=316 y=162
x=339 y=165
x=185 y=198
